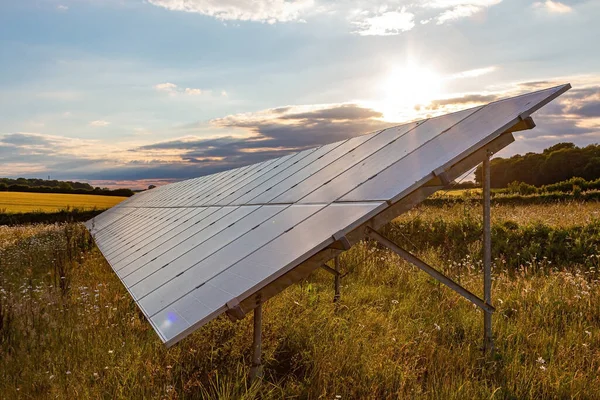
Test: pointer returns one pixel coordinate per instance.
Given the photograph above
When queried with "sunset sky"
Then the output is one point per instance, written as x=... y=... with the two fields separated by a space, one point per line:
x=116 y=91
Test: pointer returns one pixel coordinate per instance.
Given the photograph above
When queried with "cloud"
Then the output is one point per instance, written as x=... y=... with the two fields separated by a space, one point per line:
x=62 y=7
x=245 y=139
x=193 y=92
x=99 y=123
x=591 y=109
x=272 y=133
x=474 y=73
x=386 y=23
x=465 y=100
x=166 y=87
x=269 y=11
x=30 y=153
x=554 y=7
x=458 y=9
x=369 y=18
x=172 y=90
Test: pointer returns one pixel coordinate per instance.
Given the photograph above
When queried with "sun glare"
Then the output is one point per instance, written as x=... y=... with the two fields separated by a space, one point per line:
x=406 y=87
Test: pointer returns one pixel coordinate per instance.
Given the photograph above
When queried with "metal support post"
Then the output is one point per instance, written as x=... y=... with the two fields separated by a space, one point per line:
x=488 y=343
x=256 y=370
x=336 y=280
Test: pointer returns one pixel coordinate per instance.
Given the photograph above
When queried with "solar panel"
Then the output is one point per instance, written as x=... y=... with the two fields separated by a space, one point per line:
x=189 y=251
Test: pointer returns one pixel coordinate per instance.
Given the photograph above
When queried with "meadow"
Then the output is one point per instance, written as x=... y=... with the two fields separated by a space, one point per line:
x=68 y=328
x=20 y=202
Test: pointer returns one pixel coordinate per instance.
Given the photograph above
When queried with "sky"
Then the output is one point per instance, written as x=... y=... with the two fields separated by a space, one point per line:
x=138 y=92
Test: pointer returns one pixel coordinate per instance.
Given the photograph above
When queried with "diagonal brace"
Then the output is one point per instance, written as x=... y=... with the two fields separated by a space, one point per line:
x=330 y=270
x=373 y=234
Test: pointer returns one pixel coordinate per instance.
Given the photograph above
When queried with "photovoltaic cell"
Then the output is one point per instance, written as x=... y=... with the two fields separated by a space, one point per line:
x=186 y=250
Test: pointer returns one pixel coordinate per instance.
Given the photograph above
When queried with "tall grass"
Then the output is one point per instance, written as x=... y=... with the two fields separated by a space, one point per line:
x=395 y=333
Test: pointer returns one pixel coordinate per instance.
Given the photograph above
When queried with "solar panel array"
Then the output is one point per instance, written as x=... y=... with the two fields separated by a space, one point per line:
x=186 y=250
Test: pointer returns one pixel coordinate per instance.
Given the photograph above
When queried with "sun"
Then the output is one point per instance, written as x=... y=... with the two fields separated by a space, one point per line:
x=405 y=87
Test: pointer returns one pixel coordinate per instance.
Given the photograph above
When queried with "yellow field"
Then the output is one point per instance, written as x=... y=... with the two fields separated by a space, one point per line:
x=13 y=202
x=458 y=192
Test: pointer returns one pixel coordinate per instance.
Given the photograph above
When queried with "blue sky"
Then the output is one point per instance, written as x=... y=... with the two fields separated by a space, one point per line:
x=115 y=91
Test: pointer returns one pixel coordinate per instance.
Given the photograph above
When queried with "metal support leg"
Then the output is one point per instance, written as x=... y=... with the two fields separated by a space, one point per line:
x=256 y=371
x=336 y=280
x=488 y=343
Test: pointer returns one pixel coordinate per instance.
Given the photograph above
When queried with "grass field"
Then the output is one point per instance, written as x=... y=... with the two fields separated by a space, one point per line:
x=68 y=328
x=16 y=202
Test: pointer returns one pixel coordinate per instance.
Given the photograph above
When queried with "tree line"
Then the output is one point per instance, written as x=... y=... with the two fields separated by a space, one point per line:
x=35 y=185
x=557 y=163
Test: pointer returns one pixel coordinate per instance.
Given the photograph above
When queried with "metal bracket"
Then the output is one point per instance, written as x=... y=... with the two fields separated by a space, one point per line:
x=370 y=232
x=234 y=311
x=443 y=175
x=525 y=123
x=341 y=238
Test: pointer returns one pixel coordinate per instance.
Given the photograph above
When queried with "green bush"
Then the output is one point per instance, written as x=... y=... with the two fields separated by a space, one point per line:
x=521 y=188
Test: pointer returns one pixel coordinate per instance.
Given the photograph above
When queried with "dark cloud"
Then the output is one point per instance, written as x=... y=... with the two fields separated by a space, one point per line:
x=564 y=118
x=26 y=139
x=344 y=112
x=274 y=133
x=590 y=109
x=528 y=86
x=467 y=99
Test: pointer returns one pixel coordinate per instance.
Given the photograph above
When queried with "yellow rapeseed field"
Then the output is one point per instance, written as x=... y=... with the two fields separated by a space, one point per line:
x=14 y=202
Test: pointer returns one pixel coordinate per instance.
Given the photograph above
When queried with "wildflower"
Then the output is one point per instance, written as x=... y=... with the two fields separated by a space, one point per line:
x=394 y=301
x=437 y=327
x=110 y=351
x=96 y=375
x=588 y=333
x=68 y=372
x=542 y=368
x=540 y=360
x=337 y=396
x=51 y=377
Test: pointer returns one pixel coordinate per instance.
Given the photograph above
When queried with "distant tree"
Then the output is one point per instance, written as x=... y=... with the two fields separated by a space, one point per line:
x=65 y=186
x=557 y=163
x=559 y=146
x=151 y=187
x=54 y=186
